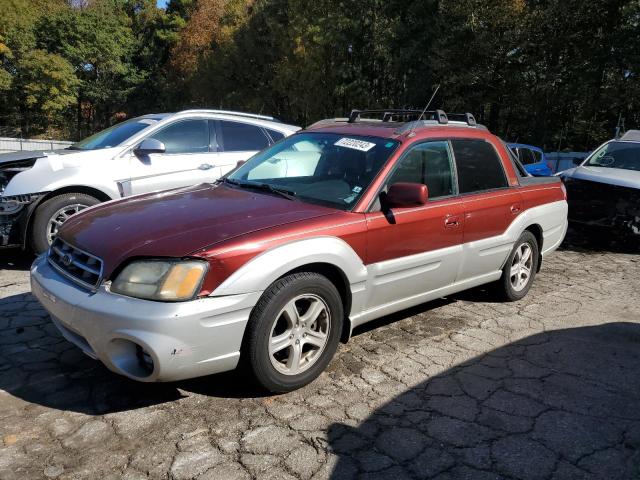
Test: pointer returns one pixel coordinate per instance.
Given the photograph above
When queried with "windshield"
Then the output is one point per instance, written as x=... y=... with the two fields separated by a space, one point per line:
x=625 y=155
x=325 y=168
x=115 y=135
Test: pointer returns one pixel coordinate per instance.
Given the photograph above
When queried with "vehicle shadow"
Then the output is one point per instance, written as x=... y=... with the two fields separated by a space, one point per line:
x=559 y=404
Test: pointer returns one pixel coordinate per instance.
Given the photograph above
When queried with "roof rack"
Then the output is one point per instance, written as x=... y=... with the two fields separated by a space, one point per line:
x=405 y=115
x=230 y=112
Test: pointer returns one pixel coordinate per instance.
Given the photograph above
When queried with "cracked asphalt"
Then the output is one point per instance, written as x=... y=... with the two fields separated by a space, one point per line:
x=464 y=387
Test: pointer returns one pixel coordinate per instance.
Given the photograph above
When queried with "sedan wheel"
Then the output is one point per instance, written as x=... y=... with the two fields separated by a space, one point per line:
x=61 y=216
x=52 y=213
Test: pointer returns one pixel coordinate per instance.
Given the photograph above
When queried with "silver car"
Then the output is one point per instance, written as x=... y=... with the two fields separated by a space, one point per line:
x=40 y=190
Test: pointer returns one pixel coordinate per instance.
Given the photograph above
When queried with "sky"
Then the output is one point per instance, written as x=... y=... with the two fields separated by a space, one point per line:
x=162 y=3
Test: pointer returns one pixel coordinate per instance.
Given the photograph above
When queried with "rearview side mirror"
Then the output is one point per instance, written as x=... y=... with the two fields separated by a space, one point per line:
x=149 y=146
x=407 y=194
x=577 y=161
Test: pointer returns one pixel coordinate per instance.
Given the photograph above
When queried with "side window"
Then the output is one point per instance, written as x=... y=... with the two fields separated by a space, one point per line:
x=428 y=163
x=242 y=137
x=516 y=163
x=190 y=136
x=526 y=156
x=479 y=166
x=537 y=155
x=275 y=135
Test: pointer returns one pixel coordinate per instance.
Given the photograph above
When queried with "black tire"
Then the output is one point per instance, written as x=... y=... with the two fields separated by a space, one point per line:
x=266 y=313
x=504 y=287
x=38 y=233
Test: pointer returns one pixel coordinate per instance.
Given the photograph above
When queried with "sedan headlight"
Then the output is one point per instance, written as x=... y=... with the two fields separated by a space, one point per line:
x=164 y=280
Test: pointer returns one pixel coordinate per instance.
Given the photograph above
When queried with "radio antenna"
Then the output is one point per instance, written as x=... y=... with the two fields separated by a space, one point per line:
x=425 y=109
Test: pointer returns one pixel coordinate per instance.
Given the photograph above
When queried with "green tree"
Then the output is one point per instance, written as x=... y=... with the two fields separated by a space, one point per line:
x=99 y=42
x=46 y=87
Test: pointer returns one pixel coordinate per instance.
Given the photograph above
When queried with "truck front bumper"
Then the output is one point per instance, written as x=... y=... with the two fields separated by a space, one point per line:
x=146 y=340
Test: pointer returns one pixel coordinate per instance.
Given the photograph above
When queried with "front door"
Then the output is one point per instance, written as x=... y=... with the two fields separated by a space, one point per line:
x=413 y=251
x=190 y=158
x=238 y=142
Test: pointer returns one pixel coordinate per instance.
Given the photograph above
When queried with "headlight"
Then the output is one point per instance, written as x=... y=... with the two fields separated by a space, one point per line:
x=164 y=280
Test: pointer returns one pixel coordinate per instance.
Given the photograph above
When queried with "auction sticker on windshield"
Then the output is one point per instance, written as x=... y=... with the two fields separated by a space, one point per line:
x=355 y=144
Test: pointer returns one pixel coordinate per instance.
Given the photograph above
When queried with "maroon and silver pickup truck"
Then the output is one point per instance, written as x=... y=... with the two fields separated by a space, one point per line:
x=273 y=265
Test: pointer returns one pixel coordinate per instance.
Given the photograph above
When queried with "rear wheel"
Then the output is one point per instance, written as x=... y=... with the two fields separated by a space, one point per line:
x=294 y=331
x=52 y=214
x=520 y=268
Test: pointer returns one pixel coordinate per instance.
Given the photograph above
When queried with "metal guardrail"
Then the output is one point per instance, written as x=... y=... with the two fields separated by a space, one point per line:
x=8 y=144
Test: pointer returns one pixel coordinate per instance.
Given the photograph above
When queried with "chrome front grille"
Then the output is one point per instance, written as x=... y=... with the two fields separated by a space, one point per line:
x=77 y=265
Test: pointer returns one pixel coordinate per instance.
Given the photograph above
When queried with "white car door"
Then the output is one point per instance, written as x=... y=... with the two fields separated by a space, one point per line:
x=239 y=141
x=190 y=158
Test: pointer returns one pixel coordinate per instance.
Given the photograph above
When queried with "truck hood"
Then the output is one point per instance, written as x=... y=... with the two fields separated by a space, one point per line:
x=176 y=223
x=612 y=176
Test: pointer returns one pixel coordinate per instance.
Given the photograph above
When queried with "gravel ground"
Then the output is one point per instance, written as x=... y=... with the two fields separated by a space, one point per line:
x=464 y=387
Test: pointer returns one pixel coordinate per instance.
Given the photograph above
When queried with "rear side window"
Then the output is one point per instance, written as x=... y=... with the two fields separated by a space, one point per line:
x=526 y=156
x=537 y=155
x=515 y=162
x=479 y=166
x=242 y=137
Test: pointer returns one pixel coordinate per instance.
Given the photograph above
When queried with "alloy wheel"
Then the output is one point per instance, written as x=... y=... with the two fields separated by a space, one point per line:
x=61 y=216
x=299 y=334
x=521 y=266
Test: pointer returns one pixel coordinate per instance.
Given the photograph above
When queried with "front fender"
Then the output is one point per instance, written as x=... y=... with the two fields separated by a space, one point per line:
x=261 y=271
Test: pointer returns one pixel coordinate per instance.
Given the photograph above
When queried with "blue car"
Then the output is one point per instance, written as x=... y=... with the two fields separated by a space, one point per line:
x=532 y=158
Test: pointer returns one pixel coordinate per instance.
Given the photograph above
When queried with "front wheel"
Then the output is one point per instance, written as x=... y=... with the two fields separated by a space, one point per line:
x=520 y=268
x=52 y=214
x=294 y=331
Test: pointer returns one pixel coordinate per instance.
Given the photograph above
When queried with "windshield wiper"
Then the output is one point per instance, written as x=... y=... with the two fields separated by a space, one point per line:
x=288 y=194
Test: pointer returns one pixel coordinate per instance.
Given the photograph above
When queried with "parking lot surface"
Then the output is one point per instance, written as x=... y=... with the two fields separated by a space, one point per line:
x=464 y=387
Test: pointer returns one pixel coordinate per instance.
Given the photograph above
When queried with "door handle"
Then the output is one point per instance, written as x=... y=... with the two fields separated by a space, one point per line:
x=452 y=222
x=205 y=166
x=515 y=209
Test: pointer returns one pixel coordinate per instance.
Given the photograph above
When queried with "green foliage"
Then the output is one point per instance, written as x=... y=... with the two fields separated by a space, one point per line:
x=74 y=67
x=47 y=87
x=557 y=73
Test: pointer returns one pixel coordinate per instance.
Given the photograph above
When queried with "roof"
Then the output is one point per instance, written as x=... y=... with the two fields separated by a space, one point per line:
x=393 y=130
x=228 y=112
x=396 y=123
x=262 y=120
x=523 y=145
x=631 y=136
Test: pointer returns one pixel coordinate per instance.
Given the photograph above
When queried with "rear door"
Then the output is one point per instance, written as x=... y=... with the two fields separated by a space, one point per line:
x=412 y=251
x=490 y=206
x=239 y=141
x=190 y=158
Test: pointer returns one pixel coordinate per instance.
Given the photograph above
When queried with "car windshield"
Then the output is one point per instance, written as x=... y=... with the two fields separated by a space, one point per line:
x=324 y=168
x=115 y=135
x=625 y=155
